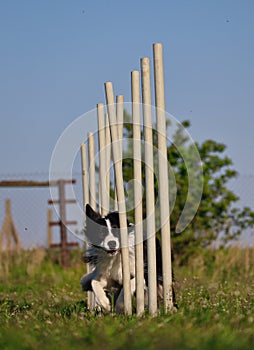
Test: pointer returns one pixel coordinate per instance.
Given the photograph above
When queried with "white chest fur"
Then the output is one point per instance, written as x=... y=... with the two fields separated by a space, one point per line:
x=110 y=267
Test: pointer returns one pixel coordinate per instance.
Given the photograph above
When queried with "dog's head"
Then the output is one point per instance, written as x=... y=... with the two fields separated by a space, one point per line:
x=103 y=232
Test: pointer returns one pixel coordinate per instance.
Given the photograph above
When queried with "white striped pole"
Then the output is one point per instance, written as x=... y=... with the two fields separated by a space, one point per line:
x=120 y=196
x=137 y=168
x=149 y=172
x=102 y=157
x=163 y=176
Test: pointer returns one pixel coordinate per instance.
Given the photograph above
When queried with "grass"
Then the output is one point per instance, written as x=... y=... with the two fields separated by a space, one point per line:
x=42 y=306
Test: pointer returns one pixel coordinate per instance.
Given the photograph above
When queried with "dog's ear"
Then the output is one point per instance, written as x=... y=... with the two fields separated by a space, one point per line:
x=91 y=214
x=130 y=227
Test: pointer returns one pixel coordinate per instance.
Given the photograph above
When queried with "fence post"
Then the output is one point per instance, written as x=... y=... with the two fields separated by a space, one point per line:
x=9 y=231
x=49 y=220
x=63 y=230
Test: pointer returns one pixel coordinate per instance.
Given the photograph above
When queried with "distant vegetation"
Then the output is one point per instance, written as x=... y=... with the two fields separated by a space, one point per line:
x=218 y=218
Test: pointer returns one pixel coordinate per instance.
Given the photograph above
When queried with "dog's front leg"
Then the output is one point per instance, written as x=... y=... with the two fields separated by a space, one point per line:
x=120 y=299
x=100 y=294
x=86 y=282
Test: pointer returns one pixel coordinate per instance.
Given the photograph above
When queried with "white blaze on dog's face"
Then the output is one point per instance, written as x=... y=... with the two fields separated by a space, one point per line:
x=111 y=242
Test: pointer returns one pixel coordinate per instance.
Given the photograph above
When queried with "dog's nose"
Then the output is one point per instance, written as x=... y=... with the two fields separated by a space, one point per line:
x=112 y=244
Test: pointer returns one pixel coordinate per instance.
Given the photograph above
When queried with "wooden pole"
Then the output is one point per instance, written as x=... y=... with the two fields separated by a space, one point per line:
x=102 y=157
x=30 y=183
x=119 y=119
x=9 y=231
x=85 y=177
x=120 y=196
x=9 y=218
x=137 y=168
x=163 y=176
x=108 y=157
x=150 y=205
x=92 y=182
x=92 y=199
x=49 y=220
x=63 y=229
x=1 y=241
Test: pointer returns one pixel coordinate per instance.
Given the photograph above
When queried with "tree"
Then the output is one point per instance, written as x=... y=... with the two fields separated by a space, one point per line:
x=216 y=217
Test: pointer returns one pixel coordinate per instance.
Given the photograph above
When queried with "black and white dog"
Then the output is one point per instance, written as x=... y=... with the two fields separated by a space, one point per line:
x=103 y=235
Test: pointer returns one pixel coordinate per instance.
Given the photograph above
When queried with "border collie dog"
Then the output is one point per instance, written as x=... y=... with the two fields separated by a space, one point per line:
x=103 y=254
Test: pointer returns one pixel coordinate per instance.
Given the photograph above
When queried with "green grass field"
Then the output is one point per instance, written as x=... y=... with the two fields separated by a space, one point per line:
x=42 y=306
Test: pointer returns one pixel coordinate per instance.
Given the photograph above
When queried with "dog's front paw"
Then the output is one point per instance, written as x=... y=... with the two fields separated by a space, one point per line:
x=105 y=304
x=100 y=295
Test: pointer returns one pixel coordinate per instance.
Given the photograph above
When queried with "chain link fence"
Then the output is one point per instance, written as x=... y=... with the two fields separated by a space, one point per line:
x=29 y=208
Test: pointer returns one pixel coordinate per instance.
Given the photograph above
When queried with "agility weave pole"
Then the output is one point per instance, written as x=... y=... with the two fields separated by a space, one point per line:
x=119 y=119
x=138 y=211
x=92 y=199
x=104 y=194
x=110 y=126
x=91 y=167
x=120 y=196
x=108 y=156
x=85 y=176
x=149 y=174
x=163 y=176
x=85 y=186
x=91 y=179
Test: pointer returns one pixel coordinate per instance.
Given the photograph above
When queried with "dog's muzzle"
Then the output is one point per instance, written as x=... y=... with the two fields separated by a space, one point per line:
x=112 y=247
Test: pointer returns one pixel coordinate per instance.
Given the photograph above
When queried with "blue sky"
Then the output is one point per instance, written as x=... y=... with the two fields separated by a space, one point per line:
x=57 y=54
